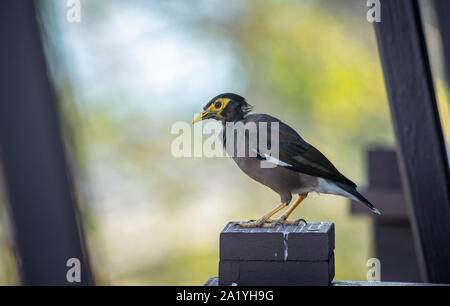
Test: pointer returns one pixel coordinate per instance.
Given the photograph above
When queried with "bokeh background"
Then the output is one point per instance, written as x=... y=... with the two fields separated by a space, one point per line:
x=131 y=69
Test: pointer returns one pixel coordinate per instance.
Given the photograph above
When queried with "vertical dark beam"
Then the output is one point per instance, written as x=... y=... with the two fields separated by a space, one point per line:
x=442 y=8
x=46 y=226
x=422 y=155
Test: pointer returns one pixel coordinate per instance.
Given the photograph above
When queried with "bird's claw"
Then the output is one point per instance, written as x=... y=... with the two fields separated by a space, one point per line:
x=298 y=221
x=255 y=223
x=284 y=222
x=268 y=223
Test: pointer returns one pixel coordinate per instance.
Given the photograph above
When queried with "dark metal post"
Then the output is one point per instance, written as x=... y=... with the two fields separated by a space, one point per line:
x=46 y=226
x=422 y=154
x=442 y=8
x=393 y=237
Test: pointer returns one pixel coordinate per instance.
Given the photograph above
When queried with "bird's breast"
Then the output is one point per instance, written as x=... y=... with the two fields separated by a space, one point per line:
x=277 y=178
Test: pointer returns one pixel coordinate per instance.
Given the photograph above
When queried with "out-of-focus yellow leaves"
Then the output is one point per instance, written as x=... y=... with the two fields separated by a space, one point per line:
x=313 y=63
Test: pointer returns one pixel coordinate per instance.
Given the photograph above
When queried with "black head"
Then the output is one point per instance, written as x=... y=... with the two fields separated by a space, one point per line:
x=225 y=107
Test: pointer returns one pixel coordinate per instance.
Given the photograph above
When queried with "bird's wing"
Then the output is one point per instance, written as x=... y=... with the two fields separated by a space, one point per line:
x=298 y=155
x=304 y=158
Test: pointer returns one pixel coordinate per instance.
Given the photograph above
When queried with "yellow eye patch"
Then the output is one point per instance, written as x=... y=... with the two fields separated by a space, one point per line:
x=219 y=104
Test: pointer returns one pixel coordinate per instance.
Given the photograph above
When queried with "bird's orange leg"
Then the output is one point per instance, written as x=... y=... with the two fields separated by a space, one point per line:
x=261 y=221
x=286 y=215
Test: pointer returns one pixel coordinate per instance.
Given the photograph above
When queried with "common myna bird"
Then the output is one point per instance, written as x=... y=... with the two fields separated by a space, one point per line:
x=299 y=168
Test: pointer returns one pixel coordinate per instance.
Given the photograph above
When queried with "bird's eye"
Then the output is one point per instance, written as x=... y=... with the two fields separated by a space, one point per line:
x=218 y=105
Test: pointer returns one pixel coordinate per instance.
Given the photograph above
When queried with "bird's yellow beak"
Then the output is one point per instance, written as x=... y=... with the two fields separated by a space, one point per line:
x=199 y=117
x=204 y=115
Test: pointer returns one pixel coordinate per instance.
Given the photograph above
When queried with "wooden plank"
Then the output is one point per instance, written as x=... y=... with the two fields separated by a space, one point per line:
x=40 y=204
x=308 y=242
x=385 y=189
x=214 y=281
x=394 y=243
x=338 y=283
x=394 y=247
x=281 y=255
x=383 y=169
x=422 y=155
x=276 y=273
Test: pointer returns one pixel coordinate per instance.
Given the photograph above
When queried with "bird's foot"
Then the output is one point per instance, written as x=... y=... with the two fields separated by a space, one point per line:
x=255 y=223
x=283 y=221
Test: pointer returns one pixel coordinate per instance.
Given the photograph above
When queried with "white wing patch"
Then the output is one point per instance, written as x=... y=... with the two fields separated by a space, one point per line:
x=273 y=160
x=276 y=161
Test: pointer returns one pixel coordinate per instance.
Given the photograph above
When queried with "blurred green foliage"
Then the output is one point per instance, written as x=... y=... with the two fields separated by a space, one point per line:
x=154 y=219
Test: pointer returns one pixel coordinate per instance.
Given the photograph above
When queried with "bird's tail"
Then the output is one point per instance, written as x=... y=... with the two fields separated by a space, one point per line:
x=358 y=196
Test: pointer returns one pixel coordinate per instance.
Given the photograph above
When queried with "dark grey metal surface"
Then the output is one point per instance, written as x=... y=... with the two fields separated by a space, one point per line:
x=46 y=225
x=422 y=154
x=310 y=242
